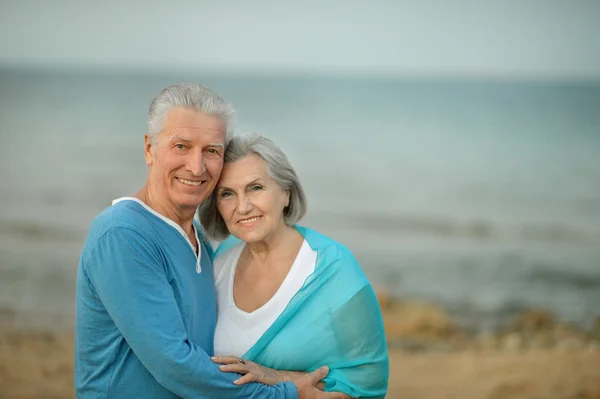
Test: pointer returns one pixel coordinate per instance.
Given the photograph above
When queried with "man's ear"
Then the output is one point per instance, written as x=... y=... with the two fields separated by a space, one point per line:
x=148 y=150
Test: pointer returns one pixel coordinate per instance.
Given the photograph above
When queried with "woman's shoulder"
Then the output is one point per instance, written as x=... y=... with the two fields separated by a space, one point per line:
x=333 y=255
x=326 y=246
x=337 y=266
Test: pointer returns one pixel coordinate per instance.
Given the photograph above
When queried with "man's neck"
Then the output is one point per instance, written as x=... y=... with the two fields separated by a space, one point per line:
x=183 y=217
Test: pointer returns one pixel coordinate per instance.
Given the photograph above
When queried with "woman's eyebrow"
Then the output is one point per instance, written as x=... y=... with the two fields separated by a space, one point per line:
x=257 y=180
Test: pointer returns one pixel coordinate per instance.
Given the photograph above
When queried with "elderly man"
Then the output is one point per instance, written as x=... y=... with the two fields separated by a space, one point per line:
x=146 y=303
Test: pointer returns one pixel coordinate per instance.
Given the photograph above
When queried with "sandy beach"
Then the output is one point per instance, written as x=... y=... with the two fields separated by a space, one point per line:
x=37 y=365
x=537 y=357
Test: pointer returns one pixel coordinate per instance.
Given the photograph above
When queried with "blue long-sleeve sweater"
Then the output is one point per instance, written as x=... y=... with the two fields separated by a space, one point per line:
x=146 y=313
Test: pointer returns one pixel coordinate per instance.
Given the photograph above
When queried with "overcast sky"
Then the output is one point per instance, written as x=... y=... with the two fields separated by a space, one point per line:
x=515 y=38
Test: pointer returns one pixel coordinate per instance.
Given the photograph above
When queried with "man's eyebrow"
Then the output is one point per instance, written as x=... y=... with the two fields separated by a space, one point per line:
x=177 y=137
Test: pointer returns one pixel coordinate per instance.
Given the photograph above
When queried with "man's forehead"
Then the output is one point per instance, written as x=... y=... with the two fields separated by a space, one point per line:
x=188 y=116
x=189 y=120
x=188 y=126
x=216 y=137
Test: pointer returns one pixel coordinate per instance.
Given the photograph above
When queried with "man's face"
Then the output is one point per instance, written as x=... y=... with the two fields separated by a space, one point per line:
x=186 y=160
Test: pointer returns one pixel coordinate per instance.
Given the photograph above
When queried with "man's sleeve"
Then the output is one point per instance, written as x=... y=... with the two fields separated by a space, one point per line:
x=130 y=280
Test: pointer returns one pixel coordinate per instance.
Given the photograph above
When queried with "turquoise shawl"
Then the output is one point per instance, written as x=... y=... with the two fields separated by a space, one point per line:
x=334 y=320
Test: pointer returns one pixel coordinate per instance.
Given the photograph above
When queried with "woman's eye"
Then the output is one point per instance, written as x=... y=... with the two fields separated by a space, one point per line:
x=225 y=194
x=257 y=187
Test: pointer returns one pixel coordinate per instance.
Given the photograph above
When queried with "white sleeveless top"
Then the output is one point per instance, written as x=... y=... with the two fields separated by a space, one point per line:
x=237 y=331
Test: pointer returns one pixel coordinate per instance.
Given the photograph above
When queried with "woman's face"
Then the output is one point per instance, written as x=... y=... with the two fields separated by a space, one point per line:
x=250 y=201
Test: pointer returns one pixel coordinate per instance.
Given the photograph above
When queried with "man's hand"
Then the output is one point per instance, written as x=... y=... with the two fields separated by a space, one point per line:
x=307 y=389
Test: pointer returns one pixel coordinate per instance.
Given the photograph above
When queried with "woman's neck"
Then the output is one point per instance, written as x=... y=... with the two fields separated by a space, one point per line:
x=279 y=244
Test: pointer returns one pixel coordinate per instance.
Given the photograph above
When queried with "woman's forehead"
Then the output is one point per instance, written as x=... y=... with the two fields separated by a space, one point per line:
x=244 y=171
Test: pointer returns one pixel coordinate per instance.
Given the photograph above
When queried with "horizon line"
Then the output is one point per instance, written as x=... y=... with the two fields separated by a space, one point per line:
x=384 y=74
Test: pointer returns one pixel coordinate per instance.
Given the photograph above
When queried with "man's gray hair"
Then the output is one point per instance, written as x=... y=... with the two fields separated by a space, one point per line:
x=188 y=95
x=278 y=167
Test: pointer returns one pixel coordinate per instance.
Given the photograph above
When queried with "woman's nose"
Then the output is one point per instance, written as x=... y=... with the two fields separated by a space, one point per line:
x=244 y=204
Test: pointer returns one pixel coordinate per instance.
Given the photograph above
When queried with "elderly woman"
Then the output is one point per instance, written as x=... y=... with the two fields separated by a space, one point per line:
x=288 y=297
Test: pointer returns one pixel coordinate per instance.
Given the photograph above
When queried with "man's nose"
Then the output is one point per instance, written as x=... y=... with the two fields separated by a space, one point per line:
x=195 y=164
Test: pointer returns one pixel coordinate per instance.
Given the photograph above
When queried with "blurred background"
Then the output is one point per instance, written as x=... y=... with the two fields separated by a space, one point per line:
x=453 y=146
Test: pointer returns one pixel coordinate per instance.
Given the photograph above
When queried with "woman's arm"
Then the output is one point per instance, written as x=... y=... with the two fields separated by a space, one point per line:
x=254 y=372
x=363 y=369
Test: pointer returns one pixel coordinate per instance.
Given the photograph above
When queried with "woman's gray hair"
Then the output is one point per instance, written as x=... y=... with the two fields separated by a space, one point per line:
x=188 y=95
x=278 y=167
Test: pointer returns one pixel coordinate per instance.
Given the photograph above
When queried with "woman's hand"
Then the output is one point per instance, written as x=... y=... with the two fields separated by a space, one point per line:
x=252 y=372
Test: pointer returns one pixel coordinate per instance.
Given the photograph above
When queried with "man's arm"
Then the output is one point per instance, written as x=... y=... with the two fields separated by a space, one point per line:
x=126 y=273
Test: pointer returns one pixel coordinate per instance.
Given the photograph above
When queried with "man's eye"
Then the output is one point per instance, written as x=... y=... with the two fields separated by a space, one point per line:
x=179 y=146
